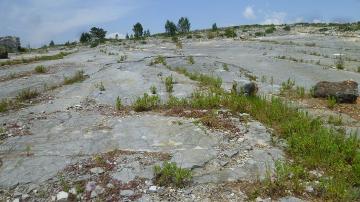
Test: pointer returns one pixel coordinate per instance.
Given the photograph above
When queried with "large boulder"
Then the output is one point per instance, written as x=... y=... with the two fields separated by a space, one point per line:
x=11 y=43
x=343 y=92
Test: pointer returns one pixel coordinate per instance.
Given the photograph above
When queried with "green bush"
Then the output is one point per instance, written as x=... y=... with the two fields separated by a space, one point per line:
x=40 y=69
x=230 y=33
x=3 y=53
x=146 y=103
x=287 y=28
x=172 y=175
x=270 y=30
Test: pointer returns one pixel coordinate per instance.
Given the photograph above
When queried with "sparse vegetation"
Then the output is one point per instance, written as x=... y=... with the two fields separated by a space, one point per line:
x=191 y=60
x=27 y=94
x=331 y=102
x=230 y=33
x=40 y=69
x=100 y=86
x=58 y=56
x=3 y=105
x=169 y=84
x=172 y=175
x=146 y=103
x=335 y=120
x=153 y=90
x=79 y=76
x=225 y=67
x=159 y=60
x=287 y=28
x=339 y=62
x=118 y=103
x=122 y=58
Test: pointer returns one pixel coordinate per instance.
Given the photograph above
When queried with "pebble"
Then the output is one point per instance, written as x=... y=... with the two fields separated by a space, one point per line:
x=90 y=186
x=62 y=195
x=16 y=200
x=73 y=191
x=24 y=196
x=126 y=192
x=97 y=170
x=110 y=186
x=153 y=189
x=309 y=189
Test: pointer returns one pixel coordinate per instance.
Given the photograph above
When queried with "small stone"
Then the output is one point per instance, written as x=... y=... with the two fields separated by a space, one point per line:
x=99 y=189
x=110 y=186
x=126 y=192
x=51 y=102
x=97 y=170
x=153 y=189
x=53 y=198
x=309 y=189
x=16 y=200
x=62 y=195
x=24 y=196
x=73 y=191
x=231 y=153
x=90 y=186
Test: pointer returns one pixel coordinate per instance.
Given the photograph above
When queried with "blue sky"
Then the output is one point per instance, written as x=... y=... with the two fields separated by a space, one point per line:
x=37 y=22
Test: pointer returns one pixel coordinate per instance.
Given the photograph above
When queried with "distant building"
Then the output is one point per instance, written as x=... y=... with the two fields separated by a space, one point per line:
x=11 y=43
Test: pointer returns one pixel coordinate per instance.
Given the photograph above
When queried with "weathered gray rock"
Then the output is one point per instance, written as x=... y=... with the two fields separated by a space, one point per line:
x=62 y=196
x=344 y=92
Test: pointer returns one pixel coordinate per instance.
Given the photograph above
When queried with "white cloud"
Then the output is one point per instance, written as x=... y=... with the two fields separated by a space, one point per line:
x=275 y=18
x=113 y=35
x=249 y=13
x=39 y=21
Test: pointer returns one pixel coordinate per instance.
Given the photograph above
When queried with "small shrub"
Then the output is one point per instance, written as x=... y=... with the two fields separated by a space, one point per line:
x=270 y=30
x=179 y=45
x=146 y=103
x=172 y=175
x=79 y=76
x=300 y=91
x=153 y=90
x=358 y=69
x=3 y=53
x=331 y=102
x=122 y=58
x=288 y=85
x=118 y=103
x=260 y=34
x=191 y=60
x=27 y=94
x=3 y=105
x=40 y=69
x=287 y=28
x=159 y=60
x=169 y=84
x=100 y=86
x=176 y=102
x=225 y=67
x=210 y=35
x=339 y=62
x=230 y=33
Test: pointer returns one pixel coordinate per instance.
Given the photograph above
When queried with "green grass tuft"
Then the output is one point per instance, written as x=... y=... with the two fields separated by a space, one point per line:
x=146 y=103
x=172 y=175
